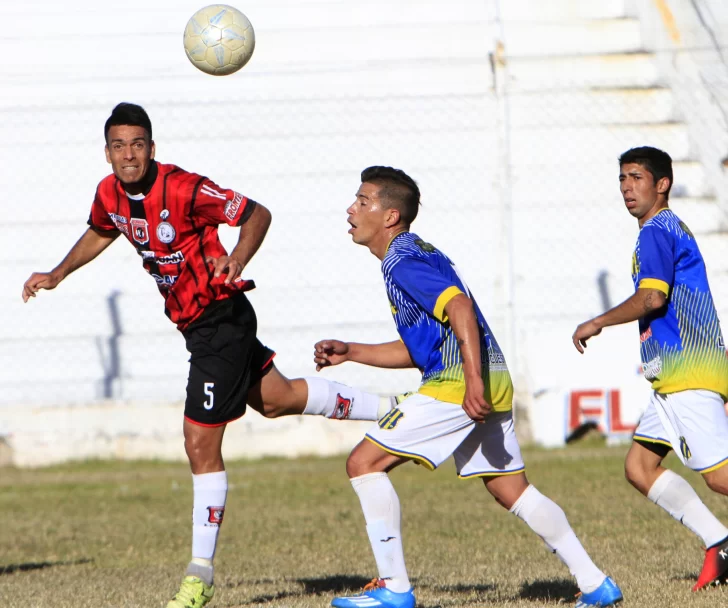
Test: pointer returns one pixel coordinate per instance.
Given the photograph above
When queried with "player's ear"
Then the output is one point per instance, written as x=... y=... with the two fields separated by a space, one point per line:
x=391 y=218
x=108 y=154
x=663 y=185
x=152 y=150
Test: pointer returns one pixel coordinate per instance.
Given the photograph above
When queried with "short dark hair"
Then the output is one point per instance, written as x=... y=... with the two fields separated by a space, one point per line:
x=397 y=188
x=656 y=161
x=128 y=114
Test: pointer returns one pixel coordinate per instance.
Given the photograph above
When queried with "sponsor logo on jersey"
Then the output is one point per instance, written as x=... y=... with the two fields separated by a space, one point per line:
x=165 y=233
x=232 y=207
x=164 y=281
x=652 y=368
x=342 y=408
x=173 y=258
x=390 y=420
x=140 y=230
x=164 y=214
x=426 y=247
x=215 y=515
x=120 y=222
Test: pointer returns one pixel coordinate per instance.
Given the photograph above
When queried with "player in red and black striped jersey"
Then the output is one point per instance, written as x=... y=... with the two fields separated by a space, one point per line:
x=171 y=217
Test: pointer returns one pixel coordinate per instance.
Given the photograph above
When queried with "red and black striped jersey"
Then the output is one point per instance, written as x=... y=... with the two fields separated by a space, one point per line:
x=174 y=229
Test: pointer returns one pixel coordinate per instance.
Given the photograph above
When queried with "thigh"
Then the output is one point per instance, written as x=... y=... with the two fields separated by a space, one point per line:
x=491 y=450
x=700 y=427
x=423 y=429
x=221 y=369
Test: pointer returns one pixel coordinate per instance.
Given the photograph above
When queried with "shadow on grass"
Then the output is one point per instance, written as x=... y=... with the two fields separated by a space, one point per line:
x=551 y=590
x=12 y=568
x=315 y=586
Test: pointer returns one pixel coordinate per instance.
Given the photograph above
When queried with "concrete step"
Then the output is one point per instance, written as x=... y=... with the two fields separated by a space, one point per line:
x=702 y=215
x=596 y=37
x=637 y=70
x=592 y=107
x=592 y=144
x=561 y=10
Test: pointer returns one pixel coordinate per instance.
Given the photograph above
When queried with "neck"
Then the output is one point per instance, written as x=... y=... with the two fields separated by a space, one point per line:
x=659 y=206
x=380 y=247
x=144 y=185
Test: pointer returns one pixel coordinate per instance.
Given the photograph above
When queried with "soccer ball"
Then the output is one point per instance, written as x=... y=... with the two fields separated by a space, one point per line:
x=219 y=40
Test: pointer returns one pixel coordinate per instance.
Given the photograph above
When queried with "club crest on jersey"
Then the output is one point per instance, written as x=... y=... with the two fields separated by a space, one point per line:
x=342 y=409
x=215 y=515
x=390 y=420
x=140 y=230
x=165 y=233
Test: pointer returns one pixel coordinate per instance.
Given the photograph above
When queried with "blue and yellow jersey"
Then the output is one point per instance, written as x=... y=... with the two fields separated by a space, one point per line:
x=420 y=281
x=682 y=345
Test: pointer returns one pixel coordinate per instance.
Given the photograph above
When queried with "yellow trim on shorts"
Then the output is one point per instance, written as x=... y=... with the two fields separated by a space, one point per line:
x=442 y=300
x=493 y=473
x=715 y=467
x=429 y=465
x=651 y=440
x=655 y=284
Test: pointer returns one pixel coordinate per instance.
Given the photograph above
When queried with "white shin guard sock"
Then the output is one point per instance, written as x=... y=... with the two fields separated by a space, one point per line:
x=340 y=402
x=380 y=505
x=548 y=520
x=677 y=497
x=210 y=494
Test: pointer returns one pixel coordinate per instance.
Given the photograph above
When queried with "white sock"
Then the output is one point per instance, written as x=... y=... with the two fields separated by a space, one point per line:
x=548 y=520
x=380 y=505
x=340 y=402
x=677 y=497
x=210 y=494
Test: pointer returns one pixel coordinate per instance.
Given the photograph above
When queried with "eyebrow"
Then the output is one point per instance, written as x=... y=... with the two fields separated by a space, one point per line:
x=119 y=140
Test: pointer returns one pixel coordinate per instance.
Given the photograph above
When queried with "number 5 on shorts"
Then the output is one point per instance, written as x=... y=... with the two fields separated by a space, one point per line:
x=207 y=388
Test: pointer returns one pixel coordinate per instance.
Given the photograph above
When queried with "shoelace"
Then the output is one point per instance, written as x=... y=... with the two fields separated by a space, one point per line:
x=376 y=583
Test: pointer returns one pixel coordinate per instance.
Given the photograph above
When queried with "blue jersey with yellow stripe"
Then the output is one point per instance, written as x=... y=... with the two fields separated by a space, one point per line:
x=420 y=281
x=681 y=344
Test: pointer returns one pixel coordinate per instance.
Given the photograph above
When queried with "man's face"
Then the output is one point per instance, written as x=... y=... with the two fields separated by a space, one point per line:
x=640 y=192
x=130 y=153
x=367 y=216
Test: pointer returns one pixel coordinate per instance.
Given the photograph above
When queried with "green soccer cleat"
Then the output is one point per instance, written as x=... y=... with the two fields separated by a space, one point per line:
x=193 y=593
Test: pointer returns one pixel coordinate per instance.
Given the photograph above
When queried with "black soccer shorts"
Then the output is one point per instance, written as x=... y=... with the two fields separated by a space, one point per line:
x=226 y=360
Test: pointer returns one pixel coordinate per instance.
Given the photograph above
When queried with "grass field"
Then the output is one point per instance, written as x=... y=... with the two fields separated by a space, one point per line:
x=118 y=535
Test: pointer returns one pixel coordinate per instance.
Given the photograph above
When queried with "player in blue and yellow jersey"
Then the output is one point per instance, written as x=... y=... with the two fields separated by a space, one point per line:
x=462 y=408
x=683 y=356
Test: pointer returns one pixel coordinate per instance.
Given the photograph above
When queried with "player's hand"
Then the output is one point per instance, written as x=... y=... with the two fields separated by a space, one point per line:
x=583 y=332
x=225 y=264
x=330 y=352
x=474 y=403
x=38 y=281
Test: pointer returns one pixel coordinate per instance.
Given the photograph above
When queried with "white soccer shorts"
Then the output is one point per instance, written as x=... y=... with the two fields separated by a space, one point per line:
x=429 y=431
x=693 y=423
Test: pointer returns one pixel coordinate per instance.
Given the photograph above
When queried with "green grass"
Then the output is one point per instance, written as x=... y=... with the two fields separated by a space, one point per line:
x=118 y=535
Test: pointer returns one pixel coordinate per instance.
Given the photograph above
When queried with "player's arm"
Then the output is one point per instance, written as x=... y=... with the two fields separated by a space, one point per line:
x=90 y=245
x=252 y=233
x=645 y=301
x=461 y=315
x=390 y=355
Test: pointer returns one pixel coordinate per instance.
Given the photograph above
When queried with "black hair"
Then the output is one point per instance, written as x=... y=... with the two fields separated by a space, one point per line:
x=397 y=189
x=128 y=114
x=656 y=161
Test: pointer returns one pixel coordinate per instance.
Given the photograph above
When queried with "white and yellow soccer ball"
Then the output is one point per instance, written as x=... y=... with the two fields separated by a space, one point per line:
x=219 y=40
